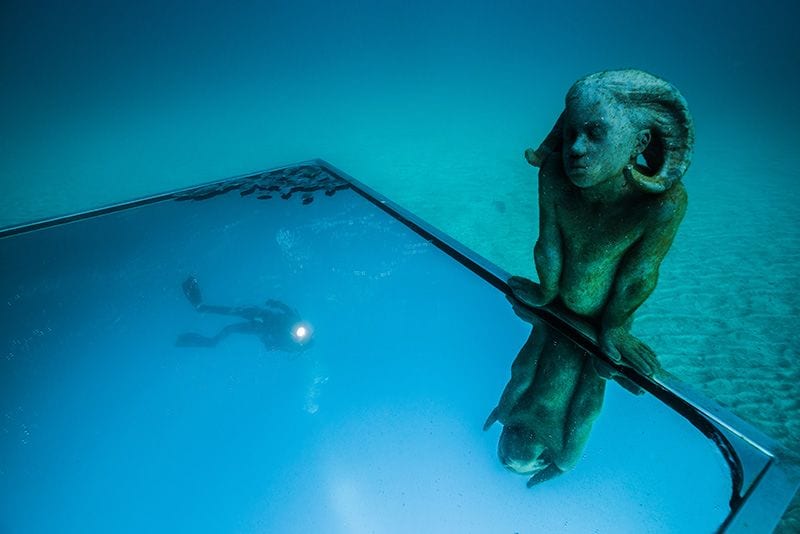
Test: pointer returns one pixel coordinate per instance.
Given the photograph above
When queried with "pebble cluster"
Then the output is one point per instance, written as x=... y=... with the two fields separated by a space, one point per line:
x=303 y=179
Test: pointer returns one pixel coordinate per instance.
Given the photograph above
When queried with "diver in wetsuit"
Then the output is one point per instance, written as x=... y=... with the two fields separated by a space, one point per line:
x=277 y=325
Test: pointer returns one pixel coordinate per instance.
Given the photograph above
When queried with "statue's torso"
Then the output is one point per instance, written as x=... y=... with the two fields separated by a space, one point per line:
x=594 y=239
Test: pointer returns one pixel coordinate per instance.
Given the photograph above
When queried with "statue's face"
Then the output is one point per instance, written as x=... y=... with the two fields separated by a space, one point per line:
x=520 y=452
x=599 y=139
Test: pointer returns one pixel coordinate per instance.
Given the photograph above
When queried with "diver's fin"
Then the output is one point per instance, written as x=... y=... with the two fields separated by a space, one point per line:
x=191 y=288
x=191 y=339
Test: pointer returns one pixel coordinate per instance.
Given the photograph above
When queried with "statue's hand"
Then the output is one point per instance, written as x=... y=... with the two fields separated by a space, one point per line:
x=623 y=347
x=532 y=157
x=527 y=291
x=606 y=372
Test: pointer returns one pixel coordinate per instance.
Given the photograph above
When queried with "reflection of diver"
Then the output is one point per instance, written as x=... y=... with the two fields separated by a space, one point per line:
x=277 y=325
x=549 y=405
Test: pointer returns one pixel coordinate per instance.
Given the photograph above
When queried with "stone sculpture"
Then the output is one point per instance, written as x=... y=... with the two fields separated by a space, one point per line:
x=548 y=406
x=610 y=203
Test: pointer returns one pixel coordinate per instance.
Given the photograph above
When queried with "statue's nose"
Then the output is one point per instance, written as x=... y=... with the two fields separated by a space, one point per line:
x=578 y=147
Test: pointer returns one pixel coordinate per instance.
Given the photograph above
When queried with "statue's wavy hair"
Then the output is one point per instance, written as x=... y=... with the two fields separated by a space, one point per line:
x=656 y=105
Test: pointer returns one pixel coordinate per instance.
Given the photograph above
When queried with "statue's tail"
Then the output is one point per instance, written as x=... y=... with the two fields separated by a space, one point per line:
x=191 y=288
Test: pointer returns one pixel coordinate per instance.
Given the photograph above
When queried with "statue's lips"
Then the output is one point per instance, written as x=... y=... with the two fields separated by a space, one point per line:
x=525 y=467
x=576 y=169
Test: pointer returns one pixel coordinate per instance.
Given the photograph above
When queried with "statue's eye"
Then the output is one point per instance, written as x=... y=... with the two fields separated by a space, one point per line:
x=595 y=133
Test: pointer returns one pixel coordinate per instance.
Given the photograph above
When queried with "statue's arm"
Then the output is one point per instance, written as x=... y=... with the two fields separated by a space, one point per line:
x=638 y=272
x=585 y=406
x=547 y=253
x=636 y=279
x=523 y=372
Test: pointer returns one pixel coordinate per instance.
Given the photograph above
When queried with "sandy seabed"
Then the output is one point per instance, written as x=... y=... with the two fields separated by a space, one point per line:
x=724 y=317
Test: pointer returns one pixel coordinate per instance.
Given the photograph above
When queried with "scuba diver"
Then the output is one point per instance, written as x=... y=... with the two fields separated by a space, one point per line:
x=277 y=325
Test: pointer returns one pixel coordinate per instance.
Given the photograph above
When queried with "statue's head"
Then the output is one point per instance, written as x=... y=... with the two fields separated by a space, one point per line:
x=520 y=451
x=623 y=123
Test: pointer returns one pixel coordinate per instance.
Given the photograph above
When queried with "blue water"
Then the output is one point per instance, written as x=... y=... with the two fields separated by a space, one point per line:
x=107 y=100
x=374 y=428
x=432 y=104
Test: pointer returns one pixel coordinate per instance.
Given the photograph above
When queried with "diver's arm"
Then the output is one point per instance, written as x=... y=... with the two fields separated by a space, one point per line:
x=278 y=305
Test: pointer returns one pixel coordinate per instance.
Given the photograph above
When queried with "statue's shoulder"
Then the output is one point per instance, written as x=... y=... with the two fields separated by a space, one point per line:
x=551 y=173
x=670 y=206
x=677 y=193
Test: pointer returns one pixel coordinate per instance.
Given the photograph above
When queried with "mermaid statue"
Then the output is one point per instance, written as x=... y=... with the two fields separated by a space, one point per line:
x=610 y=203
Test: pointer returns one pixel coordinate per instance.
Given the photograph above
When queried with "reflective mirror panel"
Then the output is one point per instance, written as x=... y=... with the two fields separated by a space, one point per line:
x=230 y=363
